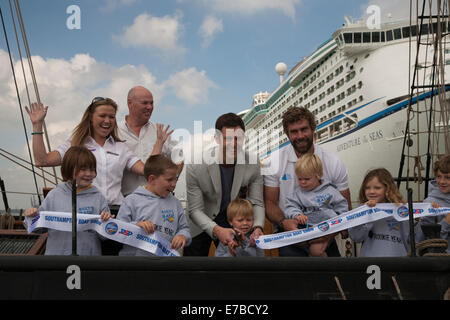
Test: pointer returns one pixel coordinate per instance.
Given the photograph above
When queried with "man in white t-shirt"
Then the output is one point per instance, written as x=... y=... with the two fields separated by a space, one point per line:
x=139 y=134
x=280 y=179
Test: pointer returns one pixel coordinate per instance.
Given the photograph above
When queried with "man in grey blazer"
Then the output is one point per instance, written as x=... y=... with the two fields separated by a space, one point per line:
x=210 y=186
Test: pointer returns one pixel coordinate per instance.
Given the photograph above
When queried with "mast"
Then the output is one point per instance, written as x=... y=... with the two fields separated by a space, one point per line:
x=429 y=78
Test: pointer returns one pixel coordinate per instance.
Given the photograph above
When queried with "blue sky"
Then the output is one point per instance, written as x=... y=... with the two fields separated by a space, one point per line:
x=214 y=55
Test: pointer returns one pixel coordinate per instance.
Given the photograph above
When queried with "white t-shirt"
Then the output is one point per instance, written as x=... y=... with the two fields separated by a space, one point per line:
x=279 y=171
x=143 y=147
x=112 y=159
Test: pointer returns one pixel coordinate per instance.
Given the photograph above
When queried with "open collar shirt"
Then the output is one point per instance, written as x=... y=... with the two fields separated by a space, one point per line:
x=112 y=158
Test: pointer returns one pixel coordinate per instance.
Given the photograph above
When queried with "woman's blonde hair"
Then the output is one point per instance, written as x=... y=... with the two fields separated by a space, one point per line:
x=239 y=207
x=392 y=194
x=84 y=128
x=309 y=164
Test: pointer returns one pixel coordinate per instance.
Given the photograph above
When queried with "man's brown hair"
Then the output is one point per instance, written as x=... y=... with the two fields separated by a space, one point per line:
x=229 y=120
x=294 y=114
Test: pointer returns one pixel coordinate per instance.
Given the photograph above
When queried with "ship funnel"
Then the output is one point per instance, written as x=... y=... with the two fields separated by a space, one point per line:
x=281 y=69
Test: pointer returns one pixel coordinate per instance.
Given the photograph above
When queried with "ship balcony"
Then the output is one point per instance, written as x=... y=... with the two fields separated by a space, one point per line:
x=255 y=114
x=335 y=127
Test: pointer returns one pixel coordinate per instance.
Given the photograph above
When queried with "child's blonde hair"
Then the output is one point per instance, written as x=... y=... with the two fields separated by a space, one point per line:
x=239 y=207
x=309 y=164
x=392 y=193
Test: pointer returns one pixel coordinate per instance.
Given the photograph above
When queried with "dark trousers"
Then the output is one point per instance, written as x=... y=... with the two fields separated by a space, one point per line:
x=199 y=246
x=295 y=251
x=111 y=247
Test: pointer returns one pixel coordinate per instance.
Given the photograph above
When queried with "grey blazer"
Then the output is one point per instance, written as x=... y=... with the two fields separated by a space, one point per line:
x=204 y=193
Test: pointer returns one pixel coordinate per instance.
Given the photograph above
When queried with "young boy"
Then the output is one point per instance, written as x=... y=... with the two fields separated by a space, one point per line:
x=439 y=196
x=240 y=218
x=314 y=200
x=153 y=207
x=80 y=164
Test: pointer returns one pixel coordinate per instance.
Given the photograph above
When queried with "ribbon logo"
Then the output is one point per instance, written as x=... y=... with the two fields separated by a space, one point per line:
x=402 y=212
x=111 y=228
x=323 y=226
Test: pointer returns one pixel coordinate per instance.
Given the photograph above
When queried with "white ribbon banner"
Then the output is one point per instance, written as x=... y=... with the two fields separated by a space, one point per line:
x=350 y=219
x=113 y=229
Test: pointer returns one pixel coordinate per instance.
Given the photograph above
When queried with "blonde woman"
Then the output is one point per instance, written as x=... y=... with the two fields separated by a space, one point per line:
x=97 y=131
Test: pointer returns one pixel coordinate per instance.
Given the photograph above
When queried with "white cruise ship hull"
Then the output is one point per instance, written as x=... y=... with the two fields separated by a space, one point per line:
x=377 y=142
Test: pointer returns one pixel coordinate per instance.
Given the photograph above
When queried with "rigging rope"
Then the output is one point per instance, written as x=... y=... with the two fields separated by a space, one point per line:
x=23 y=69
x=20 y=104
x=432 y=112
x=33 y=76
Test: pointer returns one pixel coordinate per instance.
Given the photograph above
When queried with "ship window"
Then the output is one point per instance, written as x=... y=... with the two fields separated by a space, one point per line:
x=443 y=27
x=434 y=27
x=382 y=36
x=397 y=34
x=389 y=35
x=424 y=29
x=366 y=37
x=348 y=37
x=357 y=37
x=406 y=32
x=376 y=36
x=413 y=31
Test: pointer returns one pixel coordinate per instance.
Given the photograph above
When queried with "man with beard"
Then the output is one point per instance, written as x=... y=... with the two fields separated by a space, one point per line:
x=280 y=179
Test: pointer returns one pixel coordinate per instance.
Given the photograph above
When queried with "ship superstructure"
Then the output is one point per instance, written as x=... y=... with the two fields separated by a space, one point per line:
x=356 y=84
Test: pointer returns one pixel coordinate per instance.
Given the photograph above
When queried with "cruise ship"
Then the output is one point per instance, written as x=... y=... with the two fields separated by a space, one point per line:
x=357 y=84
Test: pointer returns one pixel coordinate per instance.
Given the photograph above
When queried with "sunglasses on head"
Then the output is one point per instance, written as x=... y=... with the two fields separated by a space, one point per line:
x=96 y=99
